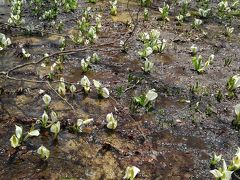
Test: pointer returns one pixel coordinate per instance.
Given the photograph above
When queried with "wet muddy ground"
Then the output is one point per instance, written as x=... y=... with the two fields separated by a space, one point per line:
x=174 y=141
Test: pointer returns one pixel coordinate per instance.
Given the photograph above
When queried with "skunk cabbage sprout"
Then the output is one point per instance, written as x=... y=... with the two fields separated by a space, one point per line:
x=43 y=152
x=215 y=159
x=55 y=128
x=85 y=83
x=73 y=89
x=111 y=121
x=131 y=172
x=222 y=173
x=4 y=41
x=102 y=91
x=25 y=53
x=46 y=99
x=17 y=137
x=148 y=65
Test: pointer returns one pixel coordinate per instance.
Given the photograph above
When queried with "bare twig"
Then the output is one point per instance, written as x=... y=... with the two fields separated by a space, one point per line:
x=132 y=87
x=135 y=22
x=129 y=116
x=50 y=86
x=45 y=57
x=7 y=75
x=67 y=52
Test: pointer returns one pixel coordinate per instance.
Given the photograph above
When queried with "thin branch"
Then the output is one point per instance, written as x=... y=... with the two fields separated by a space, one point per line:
x=50 y=86
x=129 y=116
x=135 y=24
x=66 y=52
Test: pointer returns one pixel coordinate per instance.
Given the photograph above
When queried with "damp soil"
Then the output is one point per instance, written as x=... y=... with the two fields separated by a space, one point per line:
x=173 y=141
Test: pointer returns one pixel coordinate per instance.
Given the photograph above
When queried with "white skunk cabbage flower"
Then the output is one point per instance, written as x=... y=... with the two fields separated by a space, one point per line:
x=148 y=65
x=238 y=152
x=144 y=37
x=97 y=84
x=211 y=58
x=154 y=34
x=161 y=45
x=194 y=49
x=131 y=172
x=44 y=117
x=148 y=51
x=223 y=174
x=54 y=116
x=18 y=131
x=150 y=96
x=55 y=128
x=16 y=138
x=43 y=152
x=53 y=67
x=73 y=89
x=105 y=93
x=236 y=81
x=4 y=42
x=25 y=53
x=203 y=12
x=15 y=142
x=85 y=83
x=237 y=109
x=44 y=120
x=145 y=52
x=62 y=89
x=197 y=22
x=216 y=158
x=81 y=123
x=84 y=65
x=88 y=60
x=95 y=58
x=111 y=121
x=236 y=160
x=229 y=30
x=46 y=99
x=102 y=91
x=33 y=133
x=92 y=33
x=179 y=17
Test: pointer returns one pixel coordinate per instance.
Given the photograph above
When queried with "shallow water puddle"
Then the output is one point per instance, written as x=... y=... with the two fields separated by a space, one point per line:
x=122 y=17
x=4 y=10
x=168 y=103
x=164 y=59
x=76 y=74
x=102 y=153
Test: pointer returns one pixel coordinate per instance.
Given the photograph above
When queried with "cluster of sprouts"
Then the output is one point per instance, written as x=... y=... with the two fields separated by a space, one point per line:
x=87 y=33
x=145 y=100
x=225 y=172
x=152 y=44
x=197 y=60
x=16 y=13
x=4 y=41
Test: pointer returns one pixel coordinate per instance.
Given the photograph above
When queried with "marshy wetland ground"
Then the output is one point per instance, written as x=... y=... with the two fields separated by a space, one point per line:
x=173 y=137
